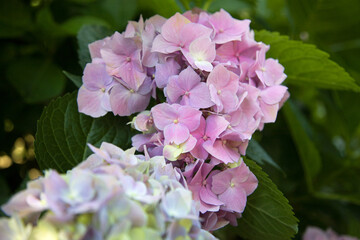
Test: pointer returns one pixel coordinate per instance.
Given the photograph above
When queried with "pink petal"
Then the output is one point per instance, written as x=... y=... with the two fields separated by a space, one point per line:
x=215 y=125
x=164 y=71
x=229 y=101
x=171 y=28
x=198 y=151
x=190 y=117
x=189 y=144
x=125 y=102
x=199 y=96
x=163 y=114
x=204 y=65
x=219 y=77
x=173 y=91
x=95 y=76
x=269 y=112
x=218 y=150
x=192 y=31
x=89 y=102
x=162 y=46
x=221 y=182
x=209 y=197
x=95 y=47
x=273 y=95
x=234 y=199
x=188 y=79
x=176 y=133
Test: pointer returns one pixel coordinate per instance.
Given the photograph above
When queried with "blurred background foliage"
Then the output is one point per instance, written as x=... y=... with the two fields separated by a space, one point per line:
x=315 y=141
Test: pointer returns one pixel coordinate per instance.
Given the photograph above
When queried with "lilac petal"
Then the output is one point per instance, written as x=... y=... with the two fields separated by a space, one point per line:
x=269 y=112
x=199 y=96
x=274 y=73
x=314 y=233
x=164 y=71
x=273 y=95
x=89 y=102
x=176 y=133
x=95 y=47
x=191 y=32
x=95 y=76
x=199 y=151
x=218 y=150
x=215 y=125
x=234 y=199
x=209 y=197
x=190 y=117
x=162 y=46
x=189 y=144
x=215 y=97
x=204 y=65
x=171 y=28
x=204 y=207
x=221 y=182
x=251 y=184
x=219 y=77
x=173 y=91
x=125 y=102
x=229 y=100
x=139 y=140
x=188 y=79
x=201 y=54
x=163 y=114
x=121 y=45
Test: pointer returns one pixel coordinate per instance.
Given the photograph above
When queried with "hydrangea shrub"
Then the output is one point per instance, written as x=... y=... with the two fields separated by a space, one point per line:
x=213 y=88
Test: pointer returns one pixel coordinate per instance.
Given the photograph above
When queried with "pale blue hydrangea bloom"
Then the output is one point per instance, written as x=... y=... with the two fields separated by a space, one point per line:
x=113 y=194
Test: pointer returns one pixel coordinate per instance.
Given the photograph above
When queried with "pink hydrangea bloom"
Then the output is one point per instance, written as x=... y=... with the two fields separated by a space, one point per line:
x=226 y=28
x=223 y=85
x=123 y=59
x=233 y=186
x=314 y=233
x=200 y=185
x=187 y=89
x=208 y=131
x=177 y=33
x=214 y=87
x=93 y=96
x=126 y=100
x=176 y=121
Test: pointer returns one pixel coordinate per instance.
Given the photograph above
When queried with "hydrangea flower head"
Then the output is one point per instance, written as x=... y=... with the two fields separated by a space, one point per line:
x=103 y=200
x=214 y=87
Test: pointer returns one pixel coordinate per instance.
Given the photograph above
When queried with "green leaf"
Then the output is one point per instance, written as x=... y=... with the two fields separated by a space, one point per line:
x=120 y=11
x=305 y=64
x=36 y=80
x=258 y=154
x=157 y=6
x=329 y=22
x=77 y=80
x=268 y=214
x=73 y=25
x=15 y=18
x=309 y=155
x=87 y=35
x=63 y=133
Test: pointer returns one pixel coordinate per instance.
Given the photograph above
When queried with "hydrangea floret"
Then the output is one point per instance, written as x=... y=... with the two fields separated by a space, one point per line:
x=113 y=194
x=214 y=88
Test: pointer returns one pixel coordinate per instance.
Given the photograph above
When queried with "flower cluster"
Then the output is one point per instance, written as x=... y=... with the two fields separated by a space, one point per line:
x=314 y=233
x=114 y=194
x=216 y=88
